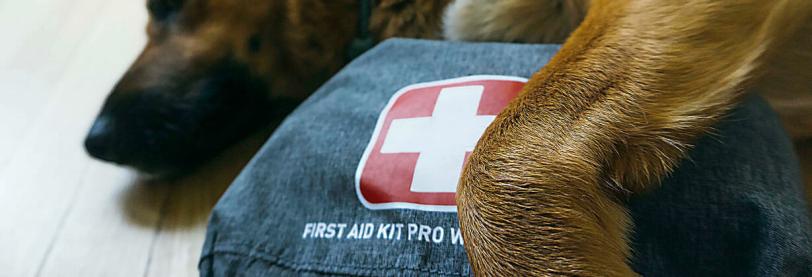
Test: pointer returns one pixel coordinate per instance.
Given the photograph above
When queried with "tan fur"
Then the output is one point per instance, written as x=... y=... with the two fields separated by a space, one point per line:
x=513 y=20
x=609 y=116
x=408 y=18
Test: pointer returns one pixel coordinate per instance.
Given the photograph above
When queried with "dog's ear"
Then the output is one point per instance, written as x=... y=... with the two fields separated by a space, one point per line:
x=163 y=9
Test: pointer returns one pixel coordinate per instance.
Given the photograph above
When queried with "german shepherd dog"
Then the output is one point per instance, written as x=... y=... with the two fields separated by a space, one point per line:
x=635 y=83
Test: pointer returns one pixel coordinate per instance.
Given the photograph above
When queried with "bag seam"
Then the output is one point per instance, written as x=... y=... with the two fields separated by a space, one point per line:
x=259 y=254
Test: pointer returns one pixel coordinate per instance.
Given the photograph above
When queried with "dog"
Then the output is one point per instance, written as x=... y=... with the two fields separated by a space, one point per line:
x=201 y=83
x=635 y=83
x=215 y=71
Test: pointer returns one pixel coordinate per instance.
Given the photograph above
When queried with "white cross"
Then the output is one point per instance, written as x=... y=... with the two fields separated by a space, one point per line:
x=441 y=139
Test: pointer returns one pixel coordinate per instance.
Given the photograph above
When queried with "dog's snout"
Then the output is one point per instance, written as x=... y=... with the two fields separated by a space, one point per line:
x=99 y=141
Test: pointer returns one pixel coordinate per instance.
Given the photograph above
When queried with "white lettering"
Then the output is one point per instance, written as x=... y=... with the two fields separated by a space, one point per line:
x=456 y=236
x=369 y=229
x=437 y=234
x=412 y=230
x=424 y=232
x=383 y=229
x=399 y=227
x=319 y=233
x=341 y=229
x=354 y=233
x=308 y=230
x=331 y=231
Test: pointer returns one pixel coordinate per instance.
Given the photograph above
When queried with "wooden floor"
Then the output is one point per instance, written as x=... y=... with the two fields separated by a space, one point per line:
x=62 y=213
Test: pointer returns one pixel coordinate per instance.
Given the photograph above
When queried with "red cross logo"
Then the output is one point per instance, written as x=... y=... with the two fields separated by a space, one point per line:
x=423 y=138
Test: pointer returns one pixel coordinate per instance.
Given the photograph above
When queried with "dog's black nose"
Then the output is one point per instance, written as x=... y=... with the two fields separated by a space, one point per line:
x=99 y=141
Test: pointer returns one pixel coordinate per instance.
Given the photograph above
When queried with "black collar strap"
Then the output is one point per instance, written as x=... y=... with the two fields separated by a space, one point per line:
x=363 y=40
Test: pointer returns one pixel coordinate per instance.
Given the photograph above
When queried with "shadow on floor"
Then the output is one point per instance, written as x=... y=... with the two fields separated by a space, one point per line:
x=186 y=202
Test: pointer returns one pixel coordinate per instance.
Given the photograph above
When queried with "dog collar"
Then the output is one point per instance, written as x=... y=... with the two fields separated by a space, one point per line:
x=363 y=40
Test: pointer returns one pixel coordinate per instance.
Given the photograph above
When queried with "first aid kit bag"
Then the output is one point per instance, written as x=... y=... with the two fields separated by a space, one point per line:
x=361 y=178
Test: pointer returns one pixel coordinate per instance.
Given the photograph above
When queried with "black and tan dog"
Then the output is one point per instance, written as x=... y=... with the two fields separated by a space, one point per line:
x=633 y=86
x=213 y=71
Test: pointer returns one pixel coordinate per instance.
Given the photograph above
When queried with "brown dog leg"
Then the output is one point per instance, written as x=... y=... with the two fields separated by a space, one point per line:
x=611 y=114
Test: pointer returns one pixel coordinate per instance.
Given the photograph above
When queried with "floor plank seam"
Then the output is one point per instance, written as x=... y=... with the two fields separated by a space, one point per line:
x=62 y=220
x=162 y=214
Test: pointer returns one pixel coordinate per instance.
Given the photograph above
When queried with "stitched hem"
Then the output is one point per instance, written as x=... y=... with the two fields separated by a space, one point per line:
x=315 y=267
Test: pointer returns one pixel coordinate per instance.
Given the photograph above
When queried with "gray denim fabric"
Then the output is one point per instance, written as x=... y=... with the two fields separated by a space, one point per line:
x=735 y=208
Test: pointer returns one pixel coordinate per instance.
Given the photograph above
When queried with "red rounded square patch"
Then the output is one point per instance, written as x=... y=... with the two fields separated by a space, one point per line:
x=423 y=138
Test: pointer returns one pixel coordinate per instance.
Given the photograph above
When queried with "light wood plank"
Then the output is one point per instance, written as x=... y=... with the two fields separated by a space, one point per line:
x=41 y=38
x=100 y=235
x=41 y=179
x=71 y=216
